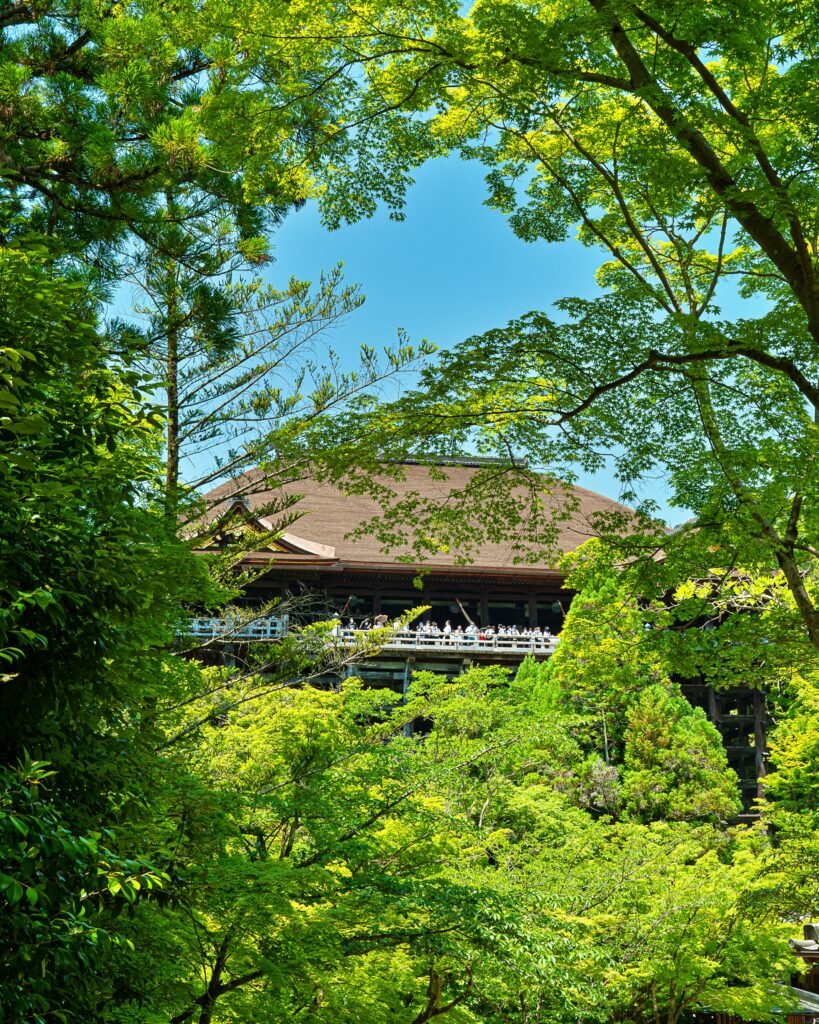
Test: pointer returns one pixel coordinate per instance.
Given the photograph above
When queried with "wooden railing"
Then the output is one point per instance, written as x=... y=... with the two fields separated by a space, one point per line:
x=268 y=628
x=406 y=640
x=464 y=644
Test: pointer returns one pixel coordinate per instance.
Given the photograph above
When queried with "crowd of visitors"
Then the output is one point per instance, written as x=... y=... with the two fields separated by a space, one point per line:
x=448 y=633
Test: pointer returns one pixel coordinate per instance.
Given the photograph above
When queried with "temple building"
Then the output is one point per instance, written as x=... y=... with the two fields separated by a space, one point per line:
x=333 y=574
x=358 y=579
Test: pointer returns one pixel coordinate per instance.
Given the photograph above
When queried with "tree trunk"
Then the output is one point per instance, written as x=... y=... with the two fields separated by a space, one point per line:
x=172 y=373
x=781 y=546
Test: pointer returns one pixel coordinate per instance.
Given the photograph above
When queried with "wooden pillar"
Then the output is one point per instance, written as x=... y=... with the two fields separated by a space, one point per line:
x=532 y=610
x=483 y=609
x=377 y=601
x=712 y=705
x=229 y=656
x=759 y=737
x=407 y=730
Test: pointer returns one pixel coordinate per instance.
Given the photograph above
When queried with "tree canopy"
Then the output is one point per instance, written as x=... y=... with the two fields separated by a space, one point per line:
x=187 y=839
x=675 y=140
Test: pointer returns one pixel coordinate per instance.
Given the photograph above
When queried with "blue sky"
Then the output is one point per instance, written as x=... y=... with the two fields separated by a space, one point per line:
x=451 y=269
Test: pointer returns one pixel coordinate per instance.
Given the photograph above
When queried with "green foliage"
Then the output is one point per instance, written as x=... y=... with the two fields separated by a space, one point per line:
x=59 y=892
x=792 y=788
x=673 y=139
x=322 y=865
x=109 y=108
x=544 y=685
x=327 y=867
x=90 y=573
x=676 y=768
x=241 y=367
x=314 y=865
x=690 y=920
x=604 y=660
x=648 y=753
x=789 y=803
x=92 y=576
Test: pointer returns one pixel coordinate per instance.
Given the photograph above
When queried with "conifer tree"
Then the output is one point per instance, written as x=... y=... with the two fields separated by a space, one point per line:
x=602 y=663
x=675 y=765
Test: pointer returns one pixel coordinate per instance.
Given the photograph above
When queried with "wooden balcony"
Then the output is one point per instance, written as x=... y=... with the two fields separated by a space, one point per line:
x=412 y=642
x=407 y=642
x=235 y=630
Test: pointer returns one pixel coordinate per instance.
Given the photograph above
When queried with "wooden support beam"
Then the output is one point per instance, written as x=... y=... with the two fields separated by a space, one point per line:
x=759 y=737
x=407 y=730
x=713 y=713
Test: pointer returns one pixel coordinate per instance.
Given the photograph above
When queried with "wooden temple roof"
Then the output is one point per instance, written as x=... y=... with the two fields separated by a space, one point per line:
x=320 y=537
